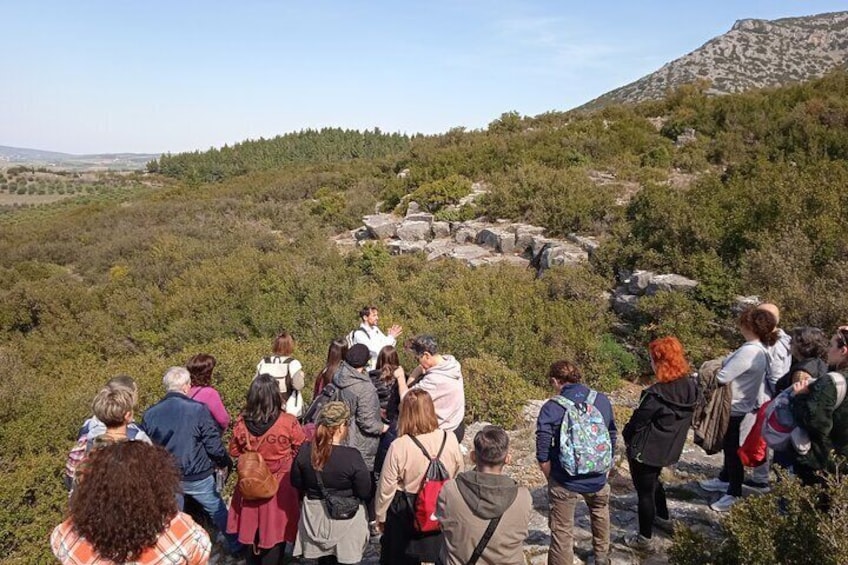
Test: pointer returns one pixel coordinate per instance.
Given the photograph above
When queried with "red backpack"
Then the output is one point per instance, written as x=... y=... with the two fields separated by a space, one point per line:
x=424 y=509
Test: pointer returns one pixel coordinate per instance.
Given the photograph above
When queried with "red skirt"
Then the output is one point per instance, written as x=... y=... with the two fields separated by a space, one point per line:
x=271 y=521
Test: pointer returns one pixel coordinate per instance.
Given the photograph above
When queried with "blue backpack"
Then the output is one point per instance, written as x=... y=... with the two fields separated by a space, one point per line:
x=584 y=440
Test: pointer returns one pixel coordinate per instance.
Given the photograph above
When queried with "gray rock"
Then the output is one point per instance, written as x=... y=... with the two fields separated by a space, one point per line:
x=639 y=281
x=414 y=214
x=625 y=304
x=412 y=207
x=401 y=247
x=524 y=234
x=411 y=230
x=513 y=260
x=466 y=232
x=587 y=243
x=441 y=229
x=670 y=283
x=468 y=252
x=563 y=254
x=741 y=303
x=381 y=226
x=438 y=248
x=499 y=239
x=688 y=136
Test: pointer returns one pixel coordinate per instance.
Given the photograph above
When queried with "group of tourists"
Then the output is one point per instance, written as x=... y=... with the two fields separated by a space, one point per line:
x=377 y=456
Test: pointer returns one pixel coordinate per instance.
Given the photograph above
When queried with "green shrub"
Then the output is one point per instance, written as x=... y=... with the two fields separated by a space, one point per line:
x=435 y=195
x=494 y=392
x=789 y=525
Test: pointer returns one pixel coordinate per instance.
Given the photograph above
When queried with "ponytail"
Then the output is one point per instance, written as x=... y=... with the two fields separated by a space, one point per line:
x=322 y=446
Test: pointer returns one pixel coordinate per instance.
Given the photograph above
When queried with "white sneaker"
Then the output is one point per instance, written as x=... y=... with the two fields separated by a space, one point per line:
x=724 y=503
x=714 y=485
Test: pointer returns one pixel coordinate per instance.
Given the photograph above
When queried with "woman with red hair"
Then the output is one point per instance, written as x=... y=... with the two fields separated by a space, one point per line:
x=656 y=432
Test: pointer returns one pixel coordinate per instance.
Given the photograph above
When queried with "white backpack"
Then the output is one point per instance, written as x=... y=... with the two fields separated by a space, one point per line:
x=278 y=368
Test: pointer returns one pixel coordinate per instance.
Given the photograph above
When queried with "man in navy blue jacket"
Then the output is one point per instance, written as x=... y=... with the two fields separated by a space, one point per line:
x=564 y=490
x=186 y=429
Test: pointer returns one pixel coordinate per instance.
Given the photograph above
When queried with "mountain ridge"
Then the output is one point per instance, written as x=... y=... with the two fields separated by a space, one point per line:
x=754 y=53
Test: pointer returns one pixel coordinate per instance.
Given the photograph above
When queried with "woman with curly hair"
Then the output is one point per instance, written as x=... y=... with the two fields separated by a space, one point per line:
x=264 y=426
x=656 y=433
x=124 y=510
x=200 y=368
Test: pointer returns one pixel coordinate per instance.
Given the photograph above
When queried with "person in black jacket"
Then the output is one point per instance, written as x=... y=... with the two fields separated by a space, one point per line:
x=656 y=433
x=186 y=429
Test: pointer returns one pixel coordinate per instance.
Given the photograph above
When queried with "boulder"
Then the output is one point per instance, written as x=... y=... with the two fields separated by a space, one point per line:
x=468 y=252
x=524 y=234
x=513 y=260
x=625 y=304
x=466 y=232
x=438 y=248
x=587 y=243
x=381 y=226
x=411 y=230
x=400 y=247
x=563 y=254
x=741 y=303
x=403 y=174
x=638 y=282
x=441 y=229
x=499 y=239
x=412 y=207
x=670 y=283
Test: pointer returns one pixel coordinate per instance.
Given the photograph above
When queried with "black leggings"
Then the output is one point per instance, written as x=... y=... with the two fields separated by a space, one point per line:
x=273 y=556
x=649 y=489
x=732 y=463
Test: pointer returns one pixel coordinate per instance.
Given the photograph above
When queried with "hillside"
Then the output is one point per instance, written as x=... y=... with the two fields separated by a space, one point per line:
x=19 y=156
x=234 y=244
x=753 y=54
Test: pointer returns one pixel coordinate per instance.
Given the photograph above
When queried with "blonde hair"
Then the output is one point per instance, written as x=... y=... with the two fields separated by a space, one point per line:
x=112 y=404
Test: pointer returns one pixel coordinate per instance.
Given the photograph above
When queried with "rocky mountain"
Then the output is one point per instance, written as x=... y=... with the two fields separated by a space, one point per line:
x=753 y=54
x=11 y=156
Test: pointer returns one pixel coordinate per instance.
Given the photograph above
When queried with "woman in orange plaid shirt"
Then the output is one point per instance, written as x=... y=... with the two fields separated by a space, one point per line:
x=124 y=510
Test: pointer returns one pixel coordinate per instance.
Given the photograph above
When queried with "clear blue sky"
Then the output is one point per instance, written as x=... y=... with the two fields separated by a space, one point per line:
x=109 y=76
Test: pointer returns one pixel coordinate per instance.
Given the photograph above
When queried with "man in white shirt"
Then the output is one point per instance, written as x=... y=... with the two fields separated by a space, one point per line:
x=372 y=337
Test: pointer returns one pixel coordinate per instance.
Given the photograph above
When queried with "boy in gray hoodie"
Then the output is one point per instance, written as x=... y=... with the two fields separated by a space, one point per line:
x=484 y=499
x=440 y=376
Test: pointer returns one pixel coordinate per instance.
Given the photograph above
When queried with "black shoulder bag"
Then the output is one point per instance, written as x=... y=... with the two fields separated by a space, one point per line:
x=338 y=507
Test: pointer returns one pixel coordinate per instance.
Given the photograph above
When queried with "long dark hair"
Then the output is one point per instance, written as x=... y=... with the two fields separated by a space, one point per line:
x=264 y=403
x=125 y=499
x=387 y=363
x=335 y=356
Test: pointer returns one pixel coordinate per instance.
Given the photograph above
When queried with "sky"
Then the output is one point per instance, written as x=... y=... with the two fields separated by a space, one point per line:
x=99 y=76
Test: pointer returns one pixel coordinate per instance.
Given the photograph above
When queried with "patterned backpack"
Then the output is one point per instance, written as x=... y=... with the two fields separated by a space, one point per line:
x=584 y=440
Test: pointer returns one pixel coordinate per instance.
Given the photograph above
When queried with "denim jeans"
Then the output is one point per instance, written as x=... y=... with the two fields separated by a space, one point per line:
x=204 y=493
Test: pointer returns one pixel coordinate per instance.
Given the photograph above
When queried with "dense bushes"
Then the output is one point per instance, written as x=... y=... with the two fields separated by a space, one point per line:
x=789 y=525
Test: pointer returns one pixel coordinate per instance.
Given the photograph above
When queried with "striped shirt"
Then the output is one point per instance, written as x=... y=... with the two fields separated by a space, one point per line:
x=182 y=543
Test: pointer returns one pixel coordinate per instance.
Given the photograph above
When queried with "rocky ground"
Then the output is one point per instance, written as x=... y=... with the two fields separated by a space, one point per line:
x=688 y=504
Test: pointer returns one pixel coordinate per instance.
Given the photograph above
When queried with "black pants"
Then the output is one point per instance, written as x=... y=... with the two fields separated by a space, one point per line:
x=651 y=494
x=272 y=556
x=732 y=464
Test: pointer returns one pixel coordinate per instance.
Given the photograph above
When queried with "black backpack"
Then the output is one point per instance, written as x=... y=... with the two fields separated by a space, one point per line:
x=329 y=393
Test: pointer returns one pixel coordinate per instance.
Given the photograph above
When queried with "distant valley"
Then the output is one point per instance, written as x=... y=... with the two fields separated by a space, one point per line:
x=14 y=156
